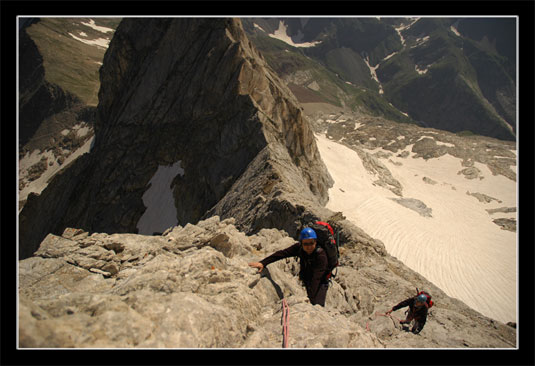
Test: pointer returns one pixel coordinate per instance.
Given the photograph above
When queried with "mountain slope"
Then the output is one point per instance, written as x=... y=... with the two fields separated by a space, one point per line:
x=423 y=70
x=161 y=104
x=72 y=50
x=443 y=204
x=59 y=59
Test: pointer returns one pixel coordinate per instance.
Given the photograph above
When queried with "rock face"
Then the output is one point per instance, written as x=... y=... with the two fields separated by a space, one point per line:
x=194 y=91
x=191 y=288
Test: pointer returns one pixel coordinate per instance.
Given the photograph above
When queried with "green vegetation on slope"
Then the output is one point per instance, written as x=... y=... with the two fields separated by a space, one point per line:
x=69 y=63
x=287 y=61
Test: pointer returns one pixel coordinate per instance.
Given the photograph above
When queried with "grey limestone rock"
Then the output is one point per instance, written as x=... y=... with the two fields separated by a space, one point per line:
x=192 y=288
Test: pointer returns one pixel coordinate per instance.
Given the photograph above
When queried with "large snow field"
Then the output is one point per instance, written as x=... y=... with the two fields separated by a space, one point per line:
x=458 y=248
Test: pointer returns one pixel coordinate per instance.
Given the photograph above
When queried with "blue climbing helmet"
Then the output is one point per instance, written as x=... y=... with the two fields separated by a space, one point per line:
x=421 y=298
x=307 y=233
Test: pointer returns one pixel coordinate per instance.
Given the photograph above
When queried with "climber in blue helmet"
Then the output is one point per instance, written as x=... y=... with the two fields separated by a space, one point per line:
x=418 y=310
x=421 y=298
x=313 y=262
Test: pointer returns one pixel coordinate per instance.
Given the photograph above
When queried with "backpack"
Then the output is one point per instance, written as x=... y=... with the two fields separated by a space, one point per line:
x=326 y=241
x=429 y=301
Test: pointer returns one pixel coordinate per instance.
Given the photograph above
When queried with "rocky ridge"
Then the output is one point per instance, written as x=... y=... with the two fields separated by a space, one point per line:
x=242 y=122
x=191 y=288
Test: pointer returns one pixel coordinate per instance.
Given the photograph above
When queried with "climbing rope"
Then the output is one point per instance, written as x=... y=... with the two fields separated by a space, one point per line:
x=285 y=322
x=395 y=319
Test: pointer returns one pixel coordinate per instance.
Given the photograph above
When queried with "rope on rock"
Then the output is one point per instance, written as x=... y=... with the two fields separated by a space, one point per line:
x=285 y=323
x=394 y=319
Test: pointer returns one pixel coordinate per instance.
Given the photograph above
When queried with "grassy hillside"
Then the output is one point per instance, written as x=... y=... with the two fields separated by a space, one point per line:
x=427 y=67
x=312 y=82
x=70 y=63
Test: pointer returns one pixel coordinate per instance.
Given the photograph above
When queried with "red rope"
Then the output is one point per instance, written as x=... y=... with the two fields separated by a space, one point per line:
x=285 y=322
x=388 y=315
x=381 y=314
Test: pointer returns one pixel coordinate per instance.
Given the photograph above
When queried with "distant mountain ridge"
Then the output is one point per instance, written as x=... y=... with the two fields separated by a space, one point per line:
x=421 y=70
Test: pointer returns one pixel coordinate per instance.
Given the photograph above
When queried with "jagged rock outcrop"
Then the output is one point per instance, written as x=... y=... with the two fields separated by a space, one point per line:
x=192 y=91
x=191 y=288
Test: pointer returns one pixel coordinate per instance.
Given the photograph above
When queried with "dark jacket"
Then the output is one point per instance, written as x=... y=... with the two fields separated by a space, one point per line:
x=313 y=267
x=417 y=313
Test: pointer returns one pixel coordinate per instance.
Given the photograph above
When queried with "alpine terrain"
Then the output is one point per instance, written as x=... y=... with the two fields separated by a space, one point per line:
x=159 y=156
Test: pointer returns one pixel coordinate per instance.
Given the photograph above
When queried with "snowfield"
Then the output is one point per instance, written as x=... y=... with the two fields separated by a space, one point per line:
x=92 y=24
x=457 y=246
x=52 y=168
x=282 y=35
x=100 y=42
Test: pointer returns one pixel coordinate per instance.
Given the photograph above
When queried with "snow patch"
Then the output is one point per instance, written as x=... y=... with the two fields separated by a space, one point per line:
x=389 y=56
x=445 y=144
x=420 y=71
x=454 y=30
x=158 y=198
x=92 y=24
x=82 y=131
x=259 y=27
x=403 y=27
x=99 y=42
x=374 y=74
x=421 y=41
x=282 y=35
x=53 y=167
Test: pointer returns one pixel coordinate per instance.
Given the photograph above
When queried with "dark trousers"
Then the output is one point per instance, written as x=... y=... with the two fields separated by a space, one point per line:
x=319 y=299
x=417 y=327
